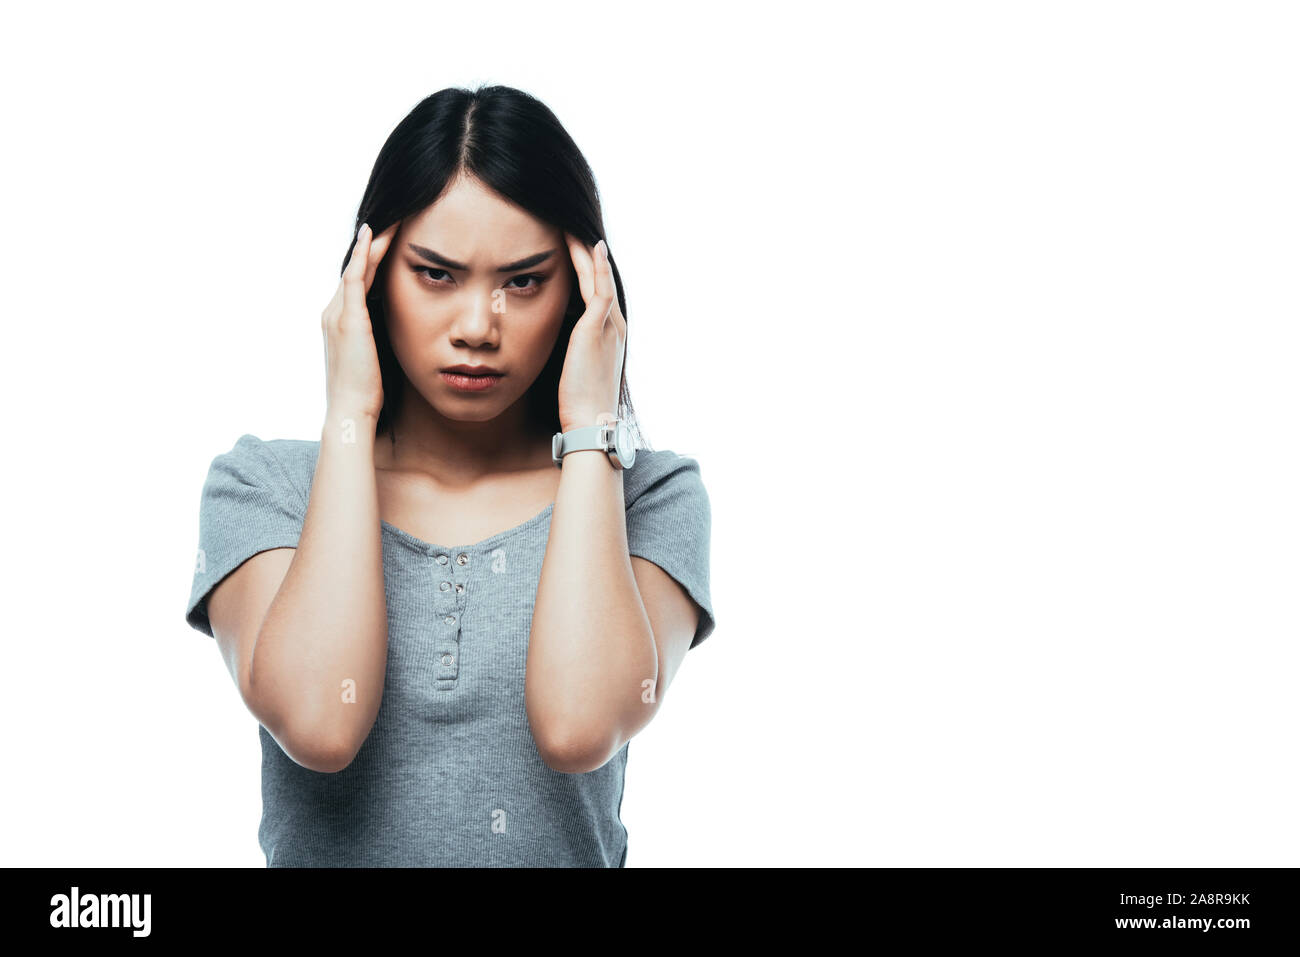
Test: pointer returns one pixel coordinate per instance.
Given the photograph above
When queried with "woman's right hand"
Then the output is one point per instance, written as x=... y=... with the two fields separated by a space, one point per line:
x=353 y=385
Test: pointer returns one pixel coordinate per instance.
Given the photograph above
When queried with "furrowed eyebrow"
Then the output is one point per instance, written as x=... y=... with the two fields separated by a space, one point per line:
x=444 y=262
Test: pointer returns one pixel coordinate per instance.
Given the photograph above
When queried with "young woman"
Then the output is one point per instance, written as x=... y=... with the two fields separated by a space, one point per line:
x=447 y=640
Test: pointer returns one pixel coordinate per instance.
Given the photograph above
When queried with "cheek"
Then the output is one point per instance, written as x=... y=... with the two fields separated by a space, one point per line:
x=539 y=339
x=412 y=329
x=398 y=315
x=396 y=308
x=556 y=305
x=543 y=316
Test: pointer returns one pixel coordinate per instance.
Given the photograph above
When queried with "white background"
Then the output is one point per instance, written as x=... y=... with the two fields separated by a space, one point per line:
x=980 y=319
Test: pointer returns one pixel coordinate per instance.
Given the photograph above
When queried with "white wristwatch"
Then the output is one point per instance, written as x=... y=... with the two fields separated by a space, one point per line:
x=611 y=435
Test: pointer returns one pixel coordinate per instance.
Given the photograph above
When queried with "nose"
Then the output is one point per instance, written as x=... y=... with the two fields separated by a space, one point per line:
x=476 y=321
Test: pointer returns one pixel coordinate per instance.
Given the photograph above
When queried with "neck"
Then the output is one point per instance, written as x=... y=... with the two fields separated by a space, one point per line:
x=457 y=450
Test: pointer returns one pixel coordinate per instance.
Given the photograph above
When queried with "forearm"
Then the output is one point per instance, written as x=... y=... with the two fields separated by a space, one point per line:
x=591 y=648
x=320 y=656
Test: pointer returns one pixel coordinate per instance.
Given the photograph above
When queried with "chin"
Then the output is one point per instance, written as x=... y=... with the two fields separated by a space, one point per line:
x=464 y=407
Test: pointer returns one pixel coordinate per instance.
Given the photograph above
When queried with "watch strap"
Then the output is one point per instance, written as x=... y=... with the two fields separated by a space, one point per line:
x=577 y=440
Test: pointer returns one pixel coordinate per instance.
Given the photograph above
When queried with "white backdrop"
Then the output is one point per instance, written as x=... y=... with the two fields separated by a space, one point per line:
x=980 y=319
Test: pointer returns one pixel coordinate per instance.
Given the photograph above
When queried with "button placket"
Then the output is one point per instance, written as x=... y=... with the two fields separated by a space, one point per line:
x=447 y=628
x=462 y=560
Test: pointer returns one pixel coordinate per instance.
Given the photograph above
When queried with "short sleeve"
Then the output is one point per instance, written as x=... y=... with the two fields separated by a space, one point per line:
x=668 y=523
x=248 y=505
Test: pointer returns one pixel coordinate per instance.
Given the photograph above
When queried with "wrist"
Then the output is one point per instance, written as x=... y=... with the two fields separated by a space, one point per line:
x=349 y=424
x=604 y=432
x=582 y=420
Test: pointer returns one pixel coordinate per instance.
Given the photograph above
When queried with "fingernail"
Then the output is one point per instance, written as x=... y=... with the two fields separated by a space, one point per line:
x=604 y=249
x=361 y=230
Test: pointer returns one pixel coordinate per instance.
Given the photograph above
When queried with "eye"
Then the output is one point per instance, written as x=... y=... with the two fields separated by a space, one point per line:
x=424 y=272
x=427 y=276
x=538 y=280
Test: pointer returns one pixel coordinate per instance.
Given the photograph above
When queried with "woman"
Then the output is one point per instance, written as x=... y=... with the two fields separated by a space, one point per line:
x=422 y=702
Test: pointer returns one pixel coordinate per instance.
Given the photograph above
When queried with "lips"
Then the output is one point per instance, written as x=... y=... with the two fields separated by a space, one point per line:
x=463 y=369
x=464 y=382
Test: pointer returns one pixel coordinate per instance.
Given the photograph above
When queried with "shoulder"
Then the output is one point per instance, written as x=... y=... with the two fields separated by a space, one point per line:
x=288 y=464
x=659 y=471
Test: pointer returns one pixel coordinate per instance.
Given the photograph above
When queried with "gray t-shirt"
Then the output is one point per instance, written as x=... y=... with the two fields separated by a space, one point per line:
x=449 y=775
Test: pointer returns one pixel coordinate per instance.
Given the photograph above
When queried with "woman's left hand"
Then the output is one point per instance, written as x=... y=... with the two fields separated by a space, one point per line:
x=593 y=364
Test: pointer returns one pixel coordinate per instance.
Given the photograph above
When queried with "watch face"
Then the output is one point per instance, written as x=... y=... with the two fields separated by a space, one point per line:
x=623 y=445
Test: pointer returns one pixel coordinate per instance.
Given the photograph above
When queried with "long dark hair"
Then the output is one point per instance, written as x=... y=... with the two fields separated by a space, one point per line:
x=515 y=145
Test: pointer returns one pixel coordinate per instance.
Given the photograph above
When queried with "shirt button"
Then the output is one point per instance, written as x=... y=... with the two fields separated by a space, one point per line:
x=446 y=661
x=442 y=559
x=462 y=559
x=445 y=585
x=450 y=619
x=459 y=588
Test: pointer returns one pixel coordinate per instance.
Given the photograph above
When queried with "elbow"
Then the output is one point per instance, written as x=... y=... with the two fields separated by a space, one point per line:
x=573 y=753
x=309 y=745
x=320 y=753
x=333 y=760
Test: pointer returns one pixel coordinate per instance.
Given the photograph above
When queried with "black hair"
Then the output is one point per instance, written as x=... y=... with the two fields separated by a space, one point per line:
x=512 y=143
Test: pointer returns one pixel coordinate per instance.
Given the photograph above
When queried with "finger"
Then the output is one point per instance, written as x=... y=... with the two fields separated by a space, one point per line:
x=378 y=248
x=584 y=267
x=604 y=284
x=354 y=293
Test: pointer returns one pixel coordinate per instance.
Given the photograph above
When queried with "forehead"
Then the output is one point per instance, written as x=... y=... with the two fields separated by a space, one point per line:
x=470 y=218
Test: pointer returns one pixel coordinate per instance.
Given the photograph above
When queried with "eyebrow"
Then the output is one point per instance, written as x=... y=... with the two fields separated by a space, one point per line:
x=441 y=260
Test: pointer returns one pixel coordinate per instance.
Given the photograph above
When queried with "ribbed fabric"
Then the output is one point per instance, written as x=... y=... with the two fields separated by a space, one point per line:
x=450 y=775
